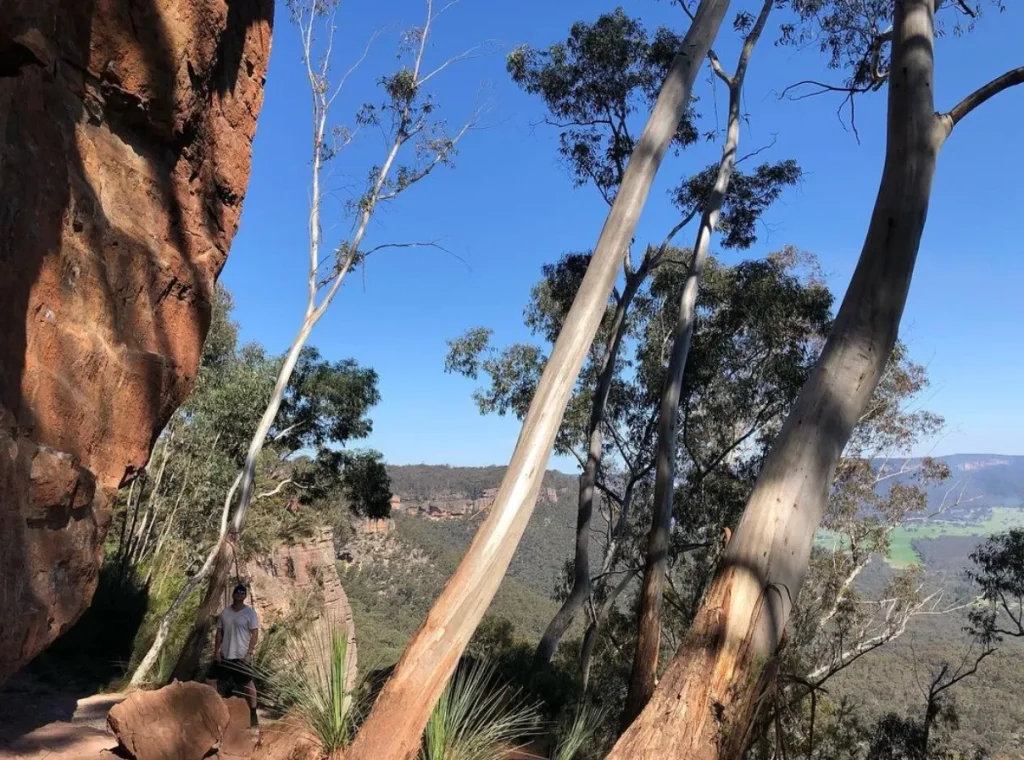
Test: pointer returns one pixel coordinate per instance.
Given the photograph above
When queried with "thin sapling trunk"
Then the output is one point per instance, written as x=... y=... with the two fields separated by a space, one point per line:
x=648 y=646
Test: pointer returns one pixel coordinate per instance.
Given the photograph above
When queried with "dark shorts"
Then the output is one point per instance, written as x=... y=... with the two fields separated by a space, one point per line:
x=233 y=675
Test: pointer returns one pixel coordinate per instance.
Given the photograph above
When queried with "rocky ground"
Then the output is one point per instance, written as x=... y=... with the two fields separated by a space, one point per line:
x=178 y=722
x=42 y=722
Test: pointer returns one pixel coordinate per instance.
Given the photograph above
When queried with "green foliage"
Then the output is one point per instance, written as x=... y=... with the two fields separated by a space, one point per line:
x=998 y=570
x=167 y=581
x=592 y=83
x=325 y=406
x=478 y=719
x=757 y=334
x=746 y=200
x=313 y=686
x=579 y=733
x=367 y=483
x=326 y=403
x=852 y=35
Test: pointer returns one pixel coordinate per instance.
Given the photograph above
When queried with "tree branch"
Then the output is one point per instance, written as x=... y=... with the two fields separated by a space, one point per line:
x=275 y=491
x=473 y=52
x=720 y=72
x=983 y=94
x=429 y=244
x=366 y=51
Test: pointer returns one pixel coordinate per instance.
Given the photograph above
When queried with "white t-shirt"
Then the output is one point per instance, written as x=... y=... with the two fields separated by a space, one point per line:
x=236 y=631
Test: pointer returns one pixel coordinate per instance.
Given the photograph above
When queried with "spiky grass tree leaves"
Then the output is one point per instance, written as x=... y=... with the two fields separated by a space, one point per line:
x=477 y=718
x=312 y=684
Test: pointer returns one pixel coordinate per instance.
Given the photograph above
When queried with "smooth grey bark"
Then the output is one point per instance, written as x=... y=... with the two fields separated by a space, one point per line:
x=581 y=586
x=707 y=700
x=648 y=645
x=593 y=631
x=396 y=722
x=322 y=286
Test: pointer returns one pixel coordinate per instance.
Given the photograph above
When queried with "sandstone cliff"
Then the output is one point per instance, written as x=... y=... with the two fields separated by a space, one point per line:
x=299 y=573
x=127 y=131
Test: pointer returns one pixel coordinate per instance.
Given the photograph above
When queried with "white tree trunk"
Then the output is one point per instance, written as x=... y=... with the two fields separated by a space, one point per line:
x=706 y=701
x=648 y=645
x=394 y=726
x=141 y=674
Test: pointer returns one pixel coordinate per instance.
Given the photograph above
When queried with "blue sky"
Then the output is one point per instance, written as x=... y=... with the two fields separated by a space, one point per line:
x=508 y=206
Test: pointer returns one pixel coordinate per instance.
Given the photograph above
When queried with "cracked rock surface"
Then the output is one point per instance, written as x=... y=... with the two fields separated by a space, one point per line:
x=126 y=135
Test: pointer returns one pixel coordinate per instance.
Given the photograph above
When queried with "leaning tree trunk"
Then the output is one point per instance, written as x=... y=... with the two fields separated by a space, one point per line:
x=704 y=705
x=187 y=666
x=581 y=585
x=394 y=726
x=210 y=565
x=648 y=643
x=188 y=660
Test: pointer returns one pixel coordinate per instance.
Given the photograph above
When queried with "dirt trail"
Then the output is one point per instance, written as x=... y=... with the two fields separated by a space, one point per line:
x=27 y=705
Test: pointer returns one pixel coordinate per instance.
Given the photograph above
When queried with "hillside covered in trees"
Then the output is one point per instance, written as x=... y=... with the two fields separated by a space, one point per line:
x=422 y=550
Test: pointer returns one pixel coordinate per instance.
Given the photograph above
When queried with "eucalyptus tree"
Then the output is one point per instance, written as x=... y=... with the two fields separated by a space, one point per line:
x=998 y=571
x=592 y=84
x=416 y=142
x=393 y=728
x=709 y=696
x=324 y=407
x=878 y=487
x=648 y=642
x=761 y=325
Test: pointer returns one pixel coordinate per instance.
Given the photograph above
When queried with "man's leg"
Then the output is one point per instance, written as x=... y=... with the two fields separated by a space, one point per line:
x=214 y=675
x=251 y=693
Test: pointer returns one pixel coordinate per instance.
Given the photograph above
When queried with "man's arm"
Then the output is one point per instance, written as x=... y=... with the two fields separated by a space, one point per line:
x=254 y=635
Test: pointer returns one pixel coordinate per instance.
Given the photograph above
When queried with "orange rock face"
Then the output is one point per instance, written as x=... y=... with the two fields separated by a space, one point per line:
x=125 y=140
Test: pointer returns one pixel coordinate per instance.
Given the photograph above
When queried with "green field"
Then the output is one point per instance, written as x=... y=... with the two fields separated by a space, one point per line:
x=901 y=550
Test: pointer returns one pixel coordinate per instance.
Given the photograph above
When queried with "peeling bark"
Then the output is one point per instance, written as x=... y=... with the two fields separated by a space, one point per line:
x=708 y=698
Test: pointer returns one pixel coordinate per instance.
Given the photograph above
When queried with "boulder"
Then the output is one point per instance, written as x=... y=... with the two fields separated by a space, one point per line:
x=127 y=135
x=182 y=721
x=239 y=740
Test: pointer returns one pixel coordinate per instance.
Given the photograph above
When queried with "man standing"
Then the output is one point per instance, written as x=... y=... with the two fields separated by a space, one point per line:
x=237 y=635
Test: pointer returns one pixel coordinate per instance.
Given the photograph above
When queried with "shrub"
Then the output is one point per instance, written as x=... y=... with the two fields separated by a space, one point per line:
x=476 y=718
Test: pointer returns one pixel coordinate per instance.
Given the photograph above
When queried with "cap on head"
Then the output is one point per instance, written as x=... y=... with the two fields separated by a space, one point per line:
x=240 y=590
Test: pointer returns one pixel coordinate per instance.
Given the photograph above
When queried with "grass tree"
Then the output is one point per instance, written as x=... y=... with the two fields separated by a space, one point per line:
x=403 y=707
x=477 y=718
x=417 y=142
x=705 y=704
x=312 y=681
